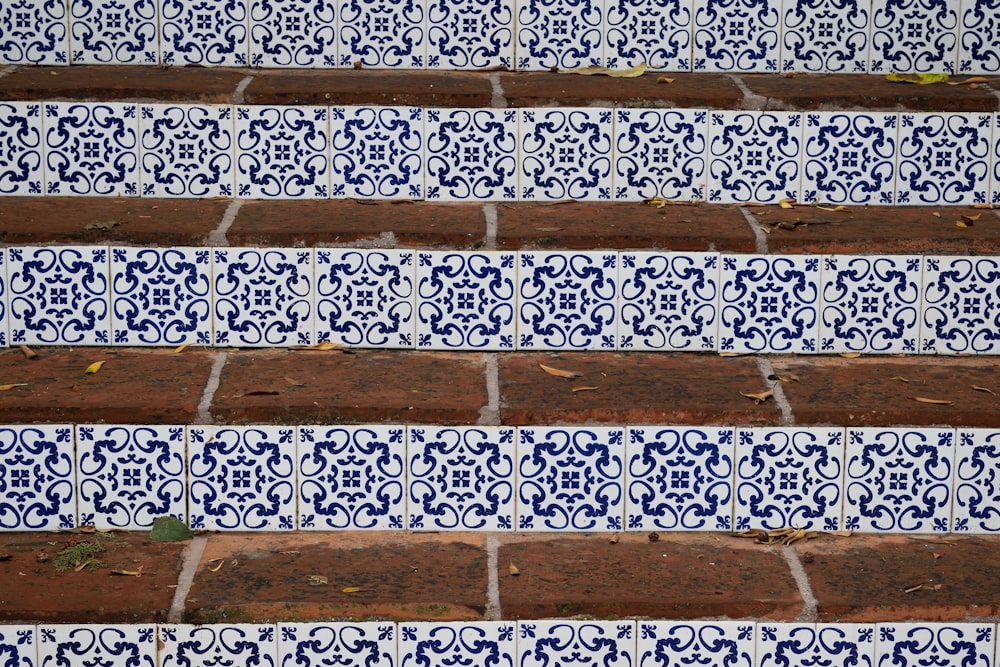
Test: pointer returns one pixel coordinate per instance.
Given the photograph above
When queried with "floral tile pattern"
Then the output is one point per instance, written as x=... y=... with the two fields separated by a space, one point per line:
x=19 y=645
x=607 y=643
x=291 y=33
x=652 y=32
x=961 y=305
x=217 y=644
x=37 y=478
x=559 y=33
x=849 y=158
x=282 y=152
x=348 y=644
x=34 y=31
x=114 y=32
x=475 y=34
x=21 y=148
x=471 y=154
x=914 y=36
x=976 y=507
x=565 y=154
x=737 y=35
x=469 y=643
x=660 y=153
x=825 y=36
x=377 y=152
x=945 y=644
x=204 y=32
x=4 y=309
x=107 y=645
x=979 y=50
x=943 y=159
x=187 y=150
x=91 y=149
x=801 y=644
x=674 y=643
x=382 y=33
x=754 y=157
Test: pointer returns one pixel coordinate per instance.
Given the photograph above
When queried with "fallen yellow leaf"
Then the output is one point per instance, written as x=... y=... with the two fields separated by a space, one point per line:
x=94 y=367
x=513 y=570
x=936 y=214
x=128 y=573
x=788 y=202
x=352 y=589
x=983 y=389
x=913 y=77
x=850 y=355
x=970 y=80
x=664 y=79
x=576 y=389
x=632 y=72
x=932 y=401
x=326 y=345
x=8 y=387
x=28 y=352
x=181 y=348
x=901 y=379
x=758 y=397
x=559 y=373
x=834 y=209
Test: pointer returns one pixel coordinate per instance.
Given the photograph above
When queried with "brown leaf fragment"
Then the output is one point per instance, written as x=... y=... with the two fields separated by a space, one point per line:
x=28 y=352
x=753 y=533
x=936 y=214
x=260 y=392
x=317 y=580
x=969 y=81
x=664 y=79
x=514 y=572
x=5 y=556
x=901 y=379
x=591 y=70
x=216 y=564
x=841 y=533
x=8 y=387
x=653 y=537
x=936 y=556
x=569 y=375
x=614 y=539
x=932 y=401
x=983 y=389
x=983 y=206
x=549 y=229
x=758 y=397
x=576 y=389
x=292 y=382
x=850 y=355
x=834 y=209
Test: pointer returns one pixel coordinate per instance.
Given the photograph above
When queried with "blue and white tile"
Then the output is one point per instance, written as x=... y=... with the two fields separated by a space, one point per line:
x=561 y=34
x=252 y=645
x=567 y=300
x=979 y=50
x=566 y=154
x=475 y=34
x=825 y=36
x=976 y=508
x=668 y=301
x=351 y=477
x=241 y=477
x=365 y=298
x=557 y=642
x=202 y=32
x=120 y=645
x=849 y=158
x=961 y=305
x=754 y=157
x=461 y=478
x=942 y=644
x=660 y=153
x=994 y=162
x=769 y=303
x=676 y=643
x=4 y=299
x=282 y=152
x=656 y=33
x=114 y=32
x=471 y=154
x=461 y=643
x=944 y=158
x=161 y=296
x=363 y=644
x=291 y=33
x=804 y=644
x=59 y=295
x=789 y=477
x=570 y=478
x=130 y=475
x=19 y=643
x=263 y=296
x=870 y=304
x=465 y=300
x=679 y=478
x=898 y=480
x=21 y=160
x=377 y=152
x=737 y=35
x=40 y=31
x=383 y=33
x=187 y=150
x=37 y=478
x=91 y=149
x=914 y=36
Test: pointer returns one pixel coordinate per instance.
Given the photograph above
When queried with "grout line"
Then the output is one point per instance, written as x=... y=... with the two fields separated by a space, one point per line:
x=499 y=98
x=809 y=613
x=492 y=221
x=241 y=88
x=192 y=558
x=493 y=611
x=489 y=414
x=218 y=235
x=8 y=69
x=767 y=370
x=760 y=238
x=751 y=100
x=212 y=386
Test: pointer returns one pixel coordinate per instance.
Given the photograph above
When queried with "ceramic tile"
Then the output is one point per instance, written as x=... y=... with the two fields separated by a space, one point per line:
x=34 y=31
x=570 y=478
x=4 y=298
x=58 y=295
x=21 y=166
x=660 y=153
x=465 y=300
x=187 y=150
x=825 y=36
x=19 y=643
x=736 y=35
x=567 y=301
x=565 y=154
x=942 y=644
x=475 y=34
x=558 y=642
x=769 y=303
x=676 y=643
x=652 y=32
x=754 y=157
x=994 y=162
x=563 y=34
x=91 y=149
x=202 y=32
x=263 y=296
x=898 y=479
x=802 y=644
x=976 y=507
x=383 y=33
x=37 y=478
x=943 y=159
x=961 y=305
x=128 y=476
x=161 y=296
x=114 y=32
x=471 y=154
x=106 y=645
x=914 y=36
x=468 y=643
x=292 y=33
x=365 y=298
x=870 y=304
x=238 y=645
x=668 y=301
x=849 y=158
x=979 y=49
x=377 y=152
x=679 y=478
x=343 y=644
x=461 y=478
x=351 y=477
x=241 y=477
x=282 y=152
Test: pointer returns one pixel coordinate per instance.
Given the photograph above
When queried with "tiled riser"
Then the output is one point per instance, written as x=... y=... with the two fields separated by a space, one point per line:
x=590 y=154
x=621 y=643
x=673 y=35
x=494 y=300
x=608 y=478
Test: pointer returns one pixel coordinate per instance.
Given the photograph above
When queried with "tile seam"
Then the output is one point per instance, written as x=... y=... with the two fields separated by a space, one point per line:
x=493 y=611
x=490 y=213
x=211 y=386
x=8 y=69
x=759 y=237
x=489 y=414
x=185 y=579
x=241 y=87
x=217 y=237
x=810 y=605
x=751 y=100
x=767 y=372
x=498 y=99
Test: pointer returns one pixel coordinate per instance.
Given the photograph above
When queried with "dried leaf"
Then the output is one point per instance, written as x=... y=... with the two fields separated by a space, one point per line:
x=932 y=401
x=664 y=79
x=850 y=355
x=936 y=214
x=103 y=225
x=983 y=206
x=936 y=556
x=219 y=562
x=28 y=352
x=834 y=209
x=632 y=72
x=93 y=368
x=559 y=373
x=913 y=77
x=731 y=354
x=513 y=570
x=983 y=389
x=787 y=202
x=841 y=533
x=787 y=378
x=8 y=387
x=901 y=379
x=961 y=224
x=970 y=80
x=614 y=539
x=320 y=347
x=758 y=397
x=352 y=589
x=317 y=580
x=549 y=229
x=576 y=389
x=260 y=392
x=128 y=573
x=653 y=537
x=4 y=557
x=181 y=348
x=293 y=383
x=84 y=564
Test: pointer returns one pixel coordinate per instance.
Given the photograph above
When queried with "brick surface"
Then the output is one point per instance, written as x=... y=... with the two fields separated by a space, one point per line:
x=127 y=82
x=686 y=91
x=634 y=388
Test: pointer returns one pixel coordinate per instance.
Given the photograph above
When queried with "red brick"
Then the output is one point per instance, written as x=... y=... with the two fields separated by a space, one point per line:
x=127 y=83
x=686 y=91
